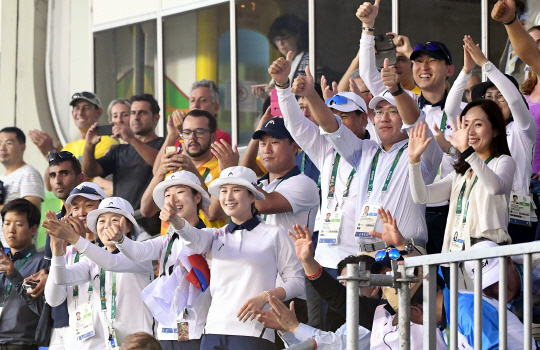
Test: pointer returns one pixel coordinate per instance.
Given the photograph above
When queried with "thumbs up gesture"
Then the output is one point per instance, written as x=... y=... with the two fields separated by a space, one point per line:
x=504 y=11
x=280 y=69
x=367 y=12
x=304 y=85
x=389 y=77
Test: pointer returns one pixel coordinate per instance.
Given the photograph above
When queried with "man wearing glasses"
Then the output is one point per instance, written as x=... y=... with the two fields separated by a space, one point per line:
x=130 y=164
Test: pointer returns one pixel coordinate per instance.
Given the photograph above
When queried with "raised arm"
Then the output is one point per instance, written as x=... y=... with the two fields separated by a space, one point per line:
x=505 y=11
x=90 y=166
x=452 y=107
x=406 y=105
x=174 y=125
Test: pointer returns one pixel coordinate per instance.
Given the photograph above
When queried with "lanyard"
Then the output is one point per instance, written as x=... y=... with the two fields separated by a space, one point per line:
x=390 y=172
x=333 y=181
x=169 y=249
x=443 y=122
x=205 y=174
x=76 y=288
x=303 y=165
x=102 y=293
x=23 y=260
x=459 y=206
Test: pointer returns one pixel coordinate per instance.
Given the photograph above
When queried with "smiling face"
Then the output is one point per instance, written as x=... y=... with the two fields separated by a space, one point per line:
x=107 y=220
x=430 y=73
x=277 y=155
x=81 y=206
x=236 y=202
x=388 y=123
x=186 y=202
x=85 y=114
x=17 y=232
x=481 y=133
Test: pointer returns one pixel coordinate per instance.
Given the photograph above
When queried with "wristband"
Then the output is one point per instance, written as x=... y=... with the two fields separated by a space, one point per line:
x=512 y=21
x=468 y=152
x=399 y=90
x=284 y=86
x=120 y=241
x=316 y=275
x=269 y=295
x=368 y=29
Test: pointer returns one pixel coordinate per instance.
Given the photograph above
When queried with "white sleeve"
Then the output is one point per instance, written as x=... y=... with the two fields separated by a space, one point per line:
x=331 y=340
x=304 y=132
x=72 y=275
x=301 y=192
x=346 y=143
x=520 y=112
x=112 y=262
x=452 y=107
x=32 y=184
x=198 y=240
x=54 y=293
x=141 y=251
x=367 y=67
x=496 y=182
x=289 y=267
x=435 y=193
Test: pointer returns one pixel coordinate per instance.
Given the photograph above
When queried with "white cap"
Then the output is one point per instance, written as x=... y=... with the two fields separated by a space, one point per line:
x=88 y=190
x=490 y=267
x=353 y=102
x=181 y=177
x=236 y=175
x=112 y=205
x=385 y=96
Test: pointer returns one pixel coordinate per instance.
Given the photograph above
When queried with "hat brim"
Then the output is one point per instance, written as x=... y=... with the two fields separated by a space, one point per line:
x=480 y=89
x=433 y=54
x=92 y=197
x=217 y=183
x=275 y=134
x=375 y=101
x=159 y=191
x=91 y=219
x=348 y=107
x=72 y=103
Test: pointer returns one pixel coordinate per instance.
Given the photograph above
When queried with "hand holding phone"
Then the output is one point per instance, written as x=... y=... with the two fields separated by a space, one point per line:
x=385 y=48
x=104 y=130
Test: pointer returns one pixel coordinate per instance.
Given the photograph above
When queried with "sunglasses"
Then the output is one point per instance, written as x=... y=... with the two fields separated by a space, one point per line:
x=429 y=46
x=85 y=190
x=54 y=156
x=84 y=94
x=341 y=100
x=390 y=252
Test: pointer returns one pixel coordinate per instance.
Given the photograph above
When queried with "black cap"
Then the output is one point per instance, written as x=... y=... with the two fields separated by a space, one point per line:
x=275 y=127
x=479 y=90
x=439 y=51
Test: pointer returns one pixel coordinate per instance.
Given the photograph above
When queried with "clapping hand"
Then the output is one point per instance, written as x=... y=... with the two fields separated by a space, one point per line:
x=474 y=51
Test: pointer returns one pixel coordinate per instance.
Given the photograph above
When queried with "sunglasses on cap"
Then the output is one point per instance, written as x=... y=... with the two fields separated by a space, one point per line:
x=85 y=190
x=54 y=156
x=429 y=46
x=390 y=252
x=84 y=94
x=341 y=100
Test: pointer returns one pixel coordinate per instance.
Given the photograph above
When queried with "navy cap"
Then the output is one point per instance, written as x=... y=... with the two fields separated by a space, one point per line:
x=479 y=90
x=275 y=127
x=434 y=49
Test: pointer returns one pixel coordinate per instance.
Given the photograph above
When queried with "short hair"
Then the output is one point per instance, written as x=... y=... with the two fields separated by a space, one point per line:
x=198 y=113
x=75 y=165
x=294 y=25
x=123 y=101
x=355 y=74
x=19 y=134
x=355 y=259
x=154 y=106
x=205 y=83
x=23 y=206
x=140 y=341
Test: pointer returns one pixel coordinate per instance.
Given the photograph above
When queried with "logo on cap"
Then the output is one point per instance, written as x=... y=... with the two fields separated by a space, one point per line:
x=111 y=203
x=269 y=122
x=230 y=174
x=484 y=264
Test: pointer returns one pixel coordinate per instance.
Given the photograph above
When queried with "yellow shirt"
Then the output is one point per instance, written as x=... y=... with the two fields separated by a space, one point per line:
x=77 y=147
x=209 y=172
x=417 y=90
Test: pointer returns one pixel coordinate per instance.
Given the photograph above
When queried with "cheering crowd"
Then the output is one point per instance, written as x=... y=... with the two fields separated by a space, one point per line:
x=181 y=243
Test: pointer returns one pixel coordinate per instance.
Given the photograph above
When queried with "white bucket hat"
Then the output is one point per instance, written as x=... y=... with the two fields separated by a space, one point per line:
x=181 y=177
x=88 y=190
x=112 y=205
x=236 y=175
x=490 y=267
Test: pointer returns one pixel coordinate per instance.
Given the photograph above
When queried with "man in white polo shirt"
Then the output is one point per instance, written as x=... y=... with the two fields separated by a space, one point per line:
x=382 y=168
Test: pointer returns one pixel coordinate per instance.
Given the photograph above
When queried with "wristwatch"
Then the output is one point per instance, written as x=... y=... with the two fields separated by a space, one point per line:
x=487 y=66
x=452 y=151
x=399 y=91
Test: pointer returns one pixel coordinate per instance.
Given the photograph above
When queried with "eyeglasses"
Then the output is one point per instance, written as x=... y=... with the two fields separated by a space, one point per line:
x=390 y=252
x=499 y=97
x=84 y=94
x=85 y=190
x=380 y=113
x=282 y=38
x=341 y=100
x=433 y=47
x=55 y=156
x=199 y=132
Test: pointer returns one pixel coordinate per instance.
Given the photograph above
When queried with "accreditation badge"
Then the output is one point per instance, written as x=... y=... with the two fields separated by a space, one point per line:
x=331 y=225
x=183 y=326
x=520 y=209
x=83 y=321
x=457 y=242
x=112 y=343
x=368 y=219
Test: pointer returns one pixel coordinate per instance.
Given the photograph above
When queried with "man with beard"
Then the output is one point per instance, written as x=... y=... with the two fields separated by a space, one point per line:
x=130 y=164
x=198 y=133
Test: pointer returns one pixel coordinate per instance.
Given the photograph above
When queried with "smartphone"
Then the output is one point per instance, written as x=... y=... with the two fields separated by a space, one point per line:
x=170 y=149
x=274 y=104
x=104 y=130
x=385 y=48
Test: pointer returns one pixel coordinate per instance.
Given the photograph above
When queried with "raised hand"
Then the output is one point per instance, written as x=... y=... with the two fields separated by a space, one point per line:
x=6 y=265
x=474 y=50
x=115 y=233
x=77 y=225
x=280 y=69
x=468 y=61
x=178 y=117
x=43 y=141
x=460 y=140
x=169 y=210
x=328 y=91
x=226 y=155
x=504 y=11
x=391 y=234
x=418 y=142
x=367 y=12
x=58 y=229
x=443 y=143
x=123 y=131
x=91 y=136
x=304 y=85
x=266 y=117
x=389 y=77
x=303 y=243
x=403 y=44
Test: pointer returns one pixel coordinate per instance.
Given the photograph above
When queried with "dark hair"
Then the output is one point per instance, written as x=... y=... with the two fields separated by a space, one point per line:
x=355 y=259
x=75 y=166
x=19 y=134
x=197 y=113
x=199 y=205
x=23 y=206
x=154 y=106
x=498 y=145
x=294 y=25
x=140 y=341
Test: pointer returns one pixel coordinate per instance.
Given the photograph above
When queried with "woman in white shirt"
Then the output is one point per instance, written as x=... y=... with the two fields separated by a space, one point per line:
x=479 y=187
x=115 y=296
x=245 y=257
